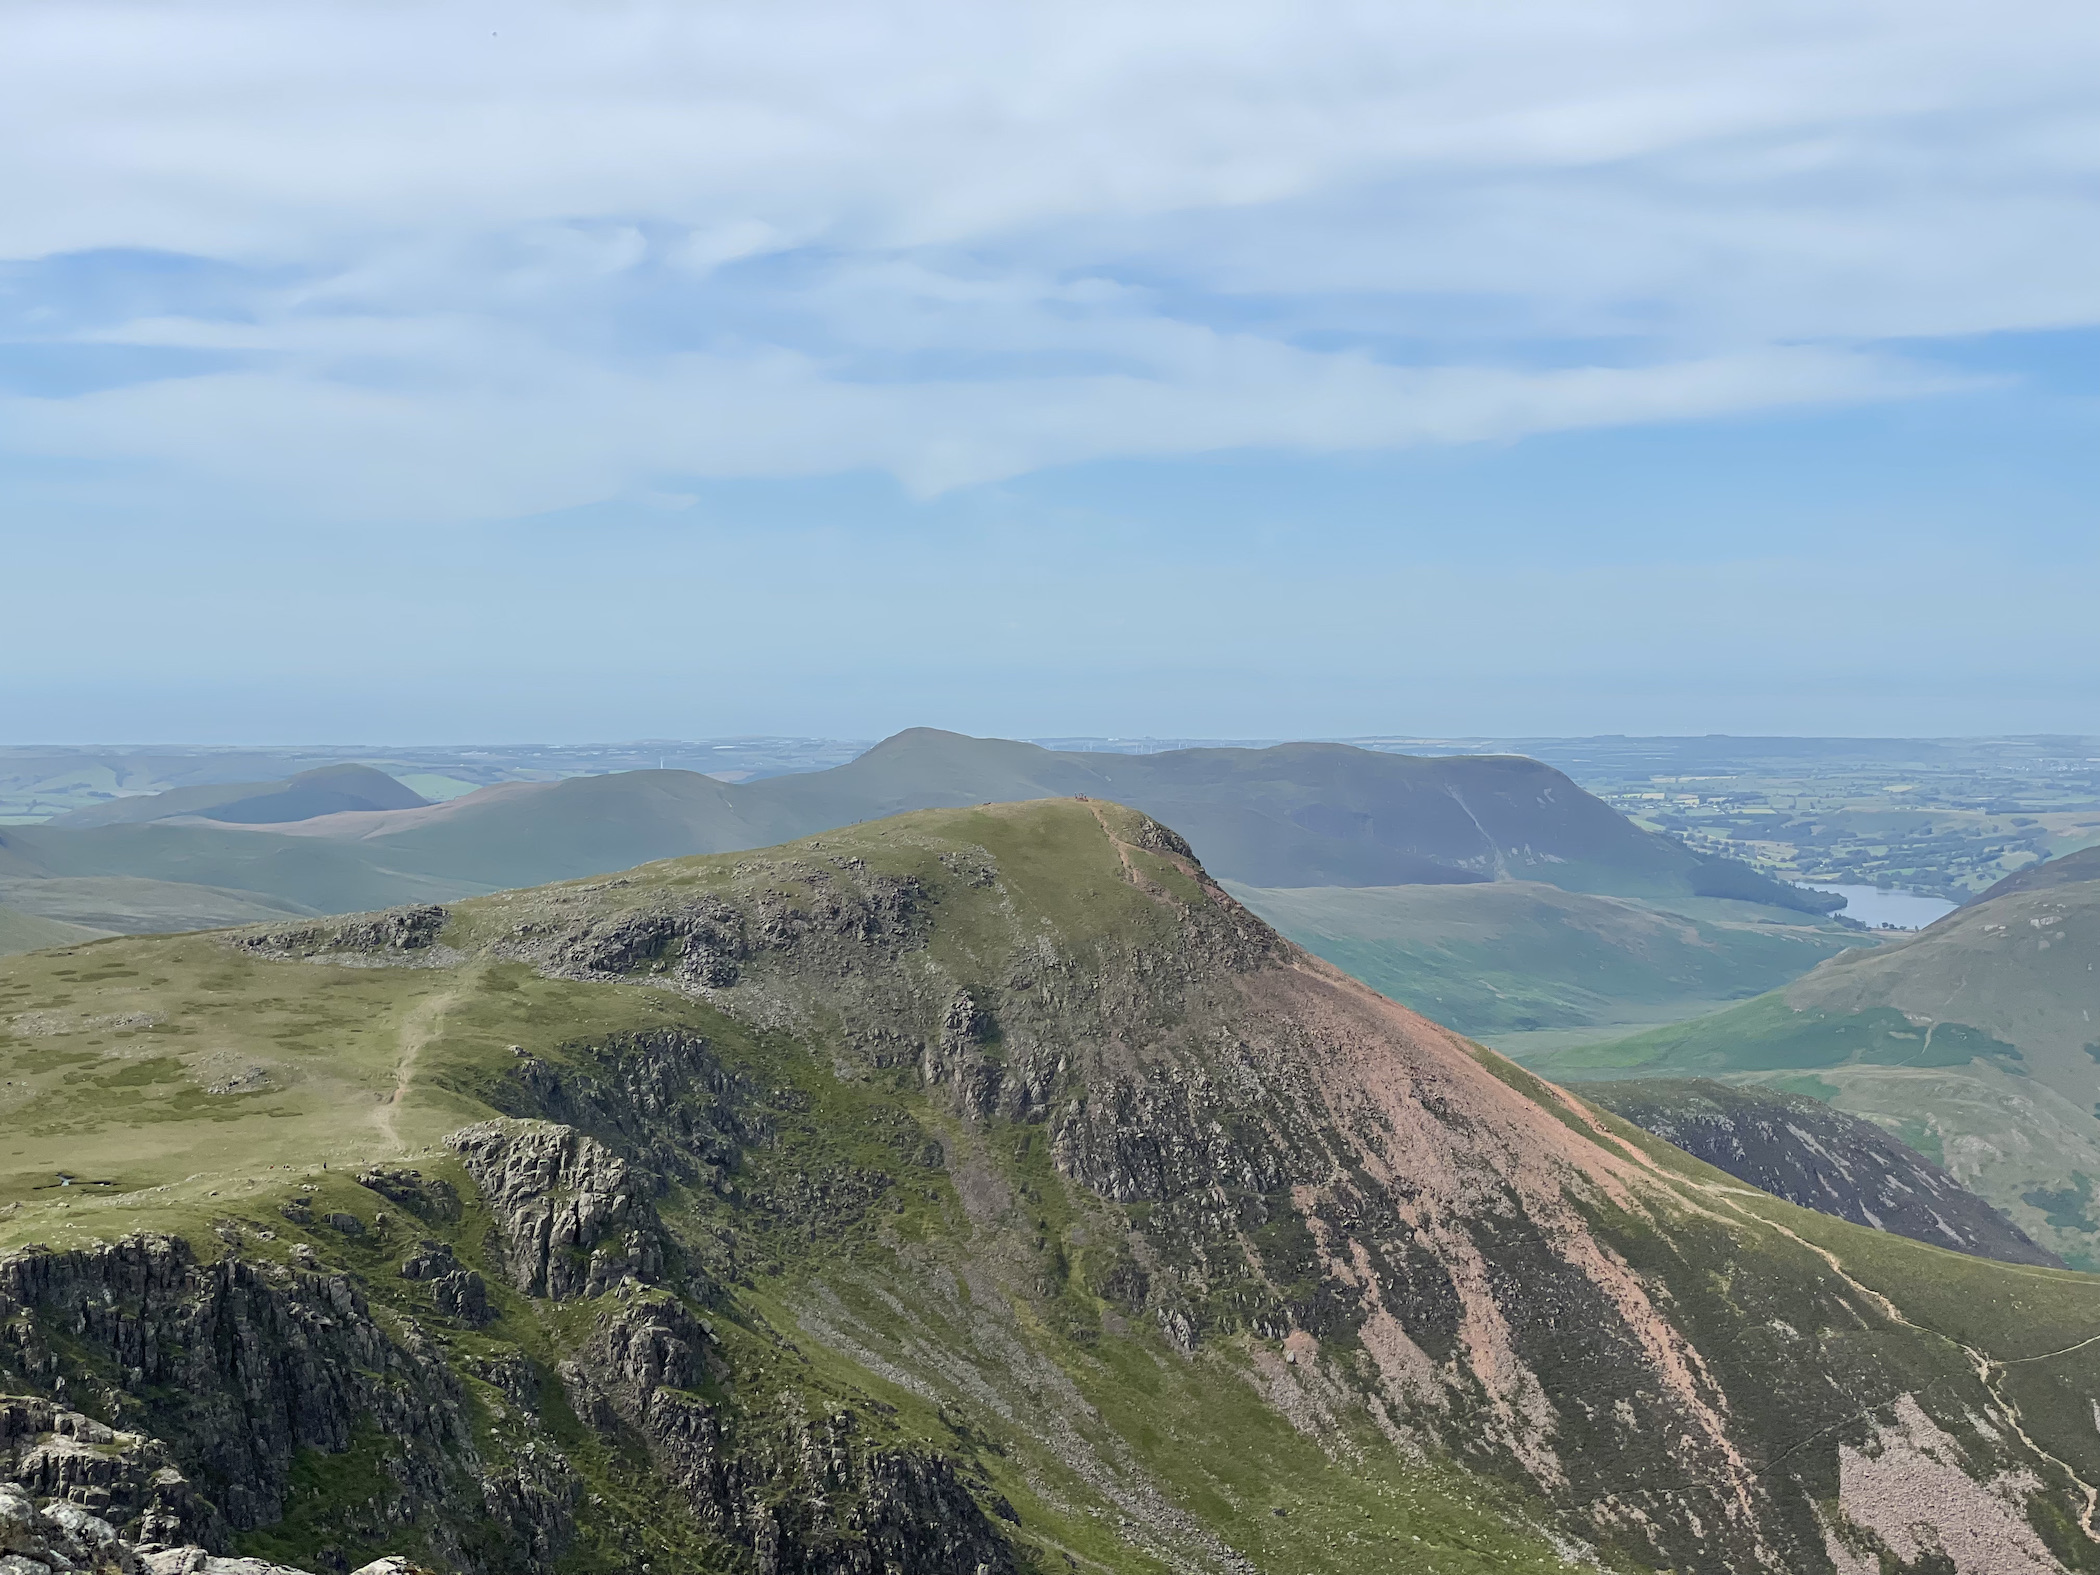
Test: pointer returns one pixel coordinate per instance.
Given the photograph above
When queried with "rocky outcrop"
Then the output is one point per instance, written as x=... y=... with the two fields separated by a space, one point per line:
x=659 y=1098
x=1800 y=1149
x=389 y=931
x=66 y=1458
x=575 y=1218
x=55 y=1536
x=815 y=1496
x=217 y=1376
x=459 y=1293
x=236 y=1365
x=432 y=1199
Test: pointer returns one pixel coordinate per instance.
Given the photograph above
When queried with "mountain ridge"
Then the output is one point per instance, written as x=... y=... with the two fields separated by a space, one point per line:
x=1293 y=815
x=978 y=1158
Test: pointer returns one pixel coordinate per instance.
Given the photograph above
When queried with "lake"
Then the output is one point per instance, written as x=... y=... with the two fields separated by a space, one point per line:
x=1874 y=907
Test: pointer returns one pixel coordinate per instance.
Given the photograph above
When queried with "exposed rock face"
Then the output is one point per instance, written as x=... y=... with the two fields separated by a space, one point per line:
x=816 y=1499
x=1799 y=1149
x=1304 y=1158
x=61 y=1536
x=575 y=1217
x=459 y=1292
x=660 y=1099
x=65 y=1458
x=234 y=1367
x=392 y=930
x=253 y=1364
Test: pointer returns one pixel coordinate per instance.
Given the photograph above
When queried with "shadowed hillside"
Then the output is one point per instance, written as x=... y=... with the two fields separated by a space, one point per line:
x=1800 y=1149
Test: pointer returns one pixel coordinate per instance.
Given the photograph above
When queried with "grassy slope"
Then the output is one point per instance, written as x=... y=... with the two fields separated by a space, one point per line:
x=109 y=1076
x=24 y=932
x=1520 y=956
x=1975 y=1041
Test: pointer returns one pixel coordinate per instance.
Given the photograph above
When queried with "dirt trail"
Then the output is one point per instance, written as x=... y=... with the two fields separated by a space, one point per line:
x=418 y=1028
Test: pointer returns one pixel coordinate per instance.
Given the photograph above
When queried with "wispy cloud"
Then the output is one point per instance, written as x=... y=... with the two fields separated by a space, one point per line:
x=490 y=259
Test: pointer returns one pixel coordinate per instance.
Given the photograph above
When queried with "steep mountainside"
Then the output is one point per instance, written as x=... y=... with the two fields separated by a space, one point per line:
x=1515 y=956
x=1799 y=1149
x=1297 y=815
x=1975 y=1040
x=976 y=1191
x=325 y=790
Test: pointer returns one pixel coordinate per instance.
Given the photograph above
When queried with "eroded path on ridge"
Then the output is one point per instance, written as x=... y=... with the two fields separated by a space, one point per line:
x=418 y=1028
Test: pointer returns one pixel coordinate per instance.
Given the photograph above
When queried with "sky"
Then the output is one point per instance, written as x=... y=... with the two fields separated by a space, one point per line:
x=396 y=372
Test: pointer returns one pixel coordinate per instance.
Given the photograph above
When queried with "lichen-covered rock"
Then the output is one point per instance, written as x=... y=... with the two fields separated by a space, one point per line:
x=392 y=930
x=58 y=1536
x=575 y=1218
x=432 y=1199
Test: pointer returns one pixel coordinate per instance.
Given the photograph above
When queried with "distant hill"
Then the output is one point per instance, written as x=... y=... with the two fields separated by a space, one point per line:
x=1294 y=815
x=325 y=790
x=1797 y=1148
x=1977 y=1039
x=25 y=932
x=1520 y=956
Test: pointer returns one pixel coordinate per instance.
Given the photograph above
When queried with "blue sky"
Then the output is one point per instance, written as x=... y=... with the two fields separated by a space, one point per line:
x=607 y=369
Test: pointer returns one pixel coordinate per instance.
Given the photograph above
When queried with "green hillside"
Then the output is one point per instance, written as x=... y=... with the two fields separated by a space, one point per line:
x=1977 y=1040
x=1518 y=956
x=23 y=932
x=977 y=1191
x=2070 y=870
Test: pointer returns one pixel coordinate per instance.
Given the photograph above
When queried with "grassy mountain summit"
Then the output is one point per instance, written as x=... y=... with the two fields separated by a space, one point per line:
x=973 y=1190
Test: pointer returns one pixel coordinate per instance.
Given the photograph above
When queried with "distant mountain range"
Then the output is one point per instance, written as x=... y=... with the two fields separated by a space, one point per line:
x=341 y=839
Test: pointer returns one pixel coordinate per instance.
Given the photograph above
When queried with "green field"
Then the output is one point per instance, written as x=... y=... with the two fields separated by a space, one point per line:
x=1516 y=957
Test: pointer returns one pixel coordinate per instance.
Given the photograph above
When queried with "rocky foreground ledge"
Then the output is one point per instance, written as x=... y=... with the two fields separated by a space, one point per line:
x=57 y=1535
